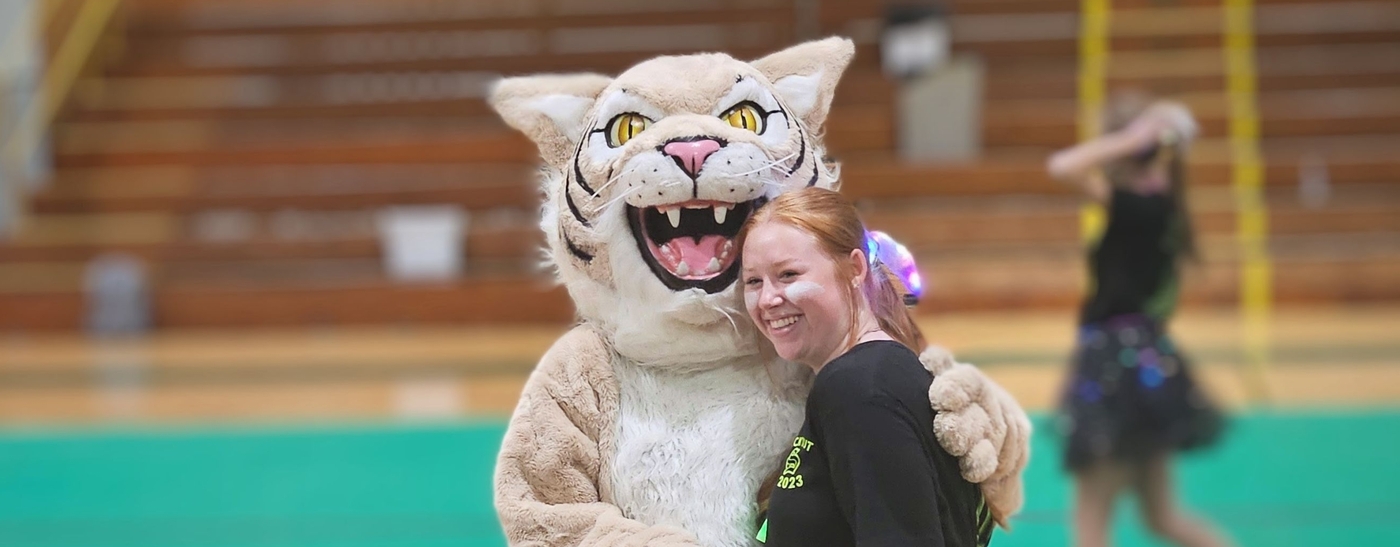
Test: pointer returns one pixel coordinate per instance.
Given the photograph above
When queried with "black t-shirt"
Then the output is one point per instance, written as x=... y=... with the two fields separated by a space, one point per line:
x=1133 y=266
x=866 y=468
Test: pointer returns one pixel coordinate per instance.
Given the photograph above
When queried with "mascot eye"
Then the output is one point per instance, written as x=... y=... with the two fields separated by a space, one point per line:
x=625 y=126
x=744 y=116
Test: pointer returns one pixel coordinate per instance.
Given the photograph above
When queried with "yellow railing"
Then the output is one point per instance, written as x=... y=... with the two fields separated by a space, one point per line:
x=1093 y=77
x=90 y=22
x=1252 y=219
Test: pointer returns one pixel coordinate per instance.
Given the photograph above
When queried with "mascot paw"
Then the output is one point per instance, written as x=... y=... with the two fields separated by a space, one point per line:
x=957 y=388
x=980 y=463
x=937 y=360
x=961 y=430
x=1004 y=499
x=983 y=426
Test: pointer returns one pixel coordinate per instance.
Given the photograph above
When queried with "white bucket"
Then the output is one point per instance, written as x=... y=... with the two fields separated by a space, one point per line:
x=422 y=243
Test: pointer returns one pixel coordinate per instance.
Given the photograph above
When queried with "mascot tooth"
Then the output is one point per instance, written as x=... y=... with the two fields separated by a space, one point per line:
x=655 y=420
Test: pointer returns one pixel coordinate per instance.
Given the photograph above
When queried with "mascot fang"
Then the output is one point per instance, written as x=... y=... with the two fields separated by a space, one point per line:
x=655 y=420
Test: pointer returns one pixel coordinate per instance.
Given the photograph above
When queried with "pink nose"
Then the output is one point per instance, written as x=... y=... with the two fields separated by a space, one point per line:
x=691 y=154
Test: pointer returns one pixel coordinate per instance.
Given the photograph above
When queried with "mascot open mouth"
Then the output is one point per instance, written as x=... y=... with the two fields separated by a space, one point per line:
x=691 y=244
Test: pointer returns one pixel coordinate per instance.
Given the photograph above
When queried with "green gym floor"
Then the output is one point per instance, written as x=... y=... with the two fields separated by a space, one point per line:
x=1286 y=478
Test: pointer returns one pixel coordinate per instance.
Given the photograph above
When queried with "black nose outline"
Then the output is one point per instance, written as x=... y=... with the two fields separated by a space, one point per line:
x=693 y=176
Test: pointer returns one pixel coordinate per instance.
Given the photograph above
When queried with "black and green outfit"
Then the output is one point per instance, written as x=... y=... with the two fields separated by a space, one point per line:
x=1130 y=394
x=866 y=468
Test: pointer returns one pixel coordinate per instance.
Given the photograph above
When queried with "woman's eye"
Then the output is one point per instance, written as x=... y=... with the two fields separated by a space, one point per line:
x=744 y=116
x=625 y=126
x=788 y=274
x=752 y=281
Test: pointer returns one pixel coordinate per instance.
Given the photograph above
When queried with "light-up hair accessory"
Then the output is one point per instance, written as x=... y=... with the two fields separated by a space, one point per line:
x=883 y=249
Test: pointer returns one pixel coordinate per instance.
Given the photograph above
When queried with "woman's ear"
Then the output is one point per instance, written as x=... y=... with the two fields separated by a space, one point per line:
x=860 y=266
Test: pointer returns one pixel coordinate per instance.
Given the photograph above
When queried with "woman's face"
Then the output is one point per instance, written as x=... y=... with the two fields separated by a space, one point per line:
x=795 y=294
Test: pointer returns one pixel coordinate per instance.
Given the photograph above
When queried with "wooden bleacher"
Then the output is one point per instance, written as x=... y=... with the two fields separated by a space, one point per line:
x=242 y=149
x=289 y=123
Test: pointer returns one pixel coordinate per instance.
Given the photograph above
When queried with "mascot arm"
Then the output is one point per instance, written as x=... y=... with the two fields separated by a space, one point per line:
x=547 y=484
x=983 y=425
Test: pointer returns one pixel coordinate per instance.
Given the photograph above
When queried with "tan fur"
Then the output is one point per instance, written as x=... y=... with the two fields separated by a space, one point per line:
x=548 y=491
x=982 y=424
x=513 y=99
x=808 y=58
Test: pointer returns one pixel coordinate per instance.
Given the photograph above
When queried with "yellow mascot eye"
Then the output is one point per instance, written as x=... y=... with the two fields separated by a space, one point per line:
x=744 y=116
x=625 y=126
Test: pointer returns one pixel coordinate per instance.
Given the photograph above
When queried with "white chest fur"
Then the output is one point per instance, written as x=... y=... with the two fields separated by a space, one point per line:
x=692 y=448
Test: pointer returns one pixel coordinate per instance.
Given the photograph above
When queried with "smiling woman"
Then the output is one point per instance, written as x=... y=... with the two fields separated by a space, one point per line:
x=800 y=299
x=810 y=285
x=865 y=467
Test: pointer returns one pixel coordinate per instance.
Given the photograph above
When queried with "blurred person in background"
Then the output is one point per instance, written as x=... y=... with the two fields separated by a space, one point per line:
x=1130 y=402
x=865 y=469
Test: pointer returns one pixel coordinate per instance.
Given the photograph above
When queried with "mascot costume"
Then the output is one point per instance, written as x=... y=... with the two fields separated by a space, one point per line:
x=656 y=419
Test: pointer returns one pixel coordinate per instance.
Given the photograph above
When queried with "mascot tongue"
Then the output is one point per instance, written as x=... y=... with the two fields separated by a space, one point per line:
x=696 y=255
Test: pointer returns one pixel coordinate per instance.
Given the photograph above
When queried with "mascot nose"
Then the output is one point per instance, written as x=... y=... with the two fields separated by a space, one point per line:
x=691 y=154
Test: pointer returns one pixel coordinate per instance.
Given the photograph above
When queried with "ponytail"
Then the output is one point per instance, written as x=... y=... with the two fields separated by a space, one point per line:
x=893 y=288
x=887 y=304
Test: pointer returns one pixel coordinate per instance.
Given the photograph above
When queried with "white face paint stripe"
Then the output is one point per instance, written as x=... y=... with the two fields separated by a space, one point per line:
x=802 y=290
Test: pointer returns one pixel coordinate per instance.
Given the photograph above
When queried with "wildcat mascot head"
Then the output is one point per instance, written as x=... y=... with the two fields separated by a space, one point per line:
x=649 y=175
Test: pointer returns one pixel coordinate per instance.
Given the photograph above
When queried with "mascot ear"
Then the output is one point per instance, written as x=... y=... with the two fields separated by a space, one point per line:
x=548 y=108
x=806 y=76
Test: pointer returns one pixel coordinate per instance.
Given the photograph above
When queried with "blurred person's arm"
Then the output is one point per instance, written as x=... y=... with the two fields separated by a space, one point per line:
x=1082 y=164
x=547 y=483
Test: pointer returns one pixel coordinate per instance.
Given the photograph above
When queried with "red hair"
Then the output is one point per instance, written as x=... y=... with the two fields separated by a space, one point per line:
x=832 y=219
